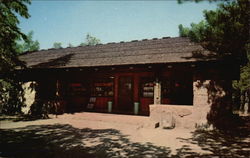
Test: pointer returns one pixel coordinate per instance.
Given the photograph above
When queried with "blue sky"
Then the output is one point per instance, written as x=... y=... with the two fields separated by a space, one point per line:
x=110 y=21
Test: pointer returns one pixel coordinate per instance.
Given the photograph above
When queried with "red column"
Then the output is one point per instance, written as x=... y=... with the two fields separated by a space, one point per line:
x=136 y=88
x=116 y=82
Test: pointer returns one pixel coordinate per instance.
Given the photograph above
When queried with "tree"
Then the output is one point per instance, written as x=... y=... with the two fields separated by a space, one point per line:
x=197 y=1
x=57 y=45
x=241 y=88
x=226 y=31
x=90 y=40
x=27 y=45
x=70 y=45
x=11 y=93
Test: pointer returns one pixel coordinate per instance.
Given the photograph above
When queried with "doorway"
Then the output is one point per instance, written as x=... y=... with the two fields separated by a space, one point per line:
x=125 y=94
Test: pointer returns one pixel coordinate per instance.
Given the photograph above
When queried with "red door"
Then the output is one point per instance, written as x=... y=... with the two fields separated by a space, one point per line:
x=125 y=94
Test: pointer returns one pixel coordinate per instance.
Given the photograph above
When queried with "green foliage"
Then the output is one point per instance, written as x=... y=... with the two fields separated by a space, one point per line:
x=11 y=93
x=28 y=44
x=57 y=45
x=197 y=1
x=196 y=33
x=70 y=45
x=224 y=31
x=244 y=83
x=90 y=40
x=11 y=98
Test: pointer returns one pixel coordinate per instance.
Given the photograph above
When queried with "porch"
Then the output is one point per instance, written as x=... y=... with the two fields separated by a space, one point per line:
x=119 y=90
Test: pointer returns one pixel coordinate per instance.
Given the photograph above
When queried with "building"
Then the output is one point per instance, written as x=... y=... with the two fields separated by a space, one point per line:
x=167 y=72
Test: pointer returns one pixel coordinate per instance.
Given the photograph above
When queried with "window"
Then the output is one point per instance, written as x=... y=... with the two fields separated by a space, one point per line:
x=103 y=88
x=147 y=87
x=77 y=89
x=178 y=91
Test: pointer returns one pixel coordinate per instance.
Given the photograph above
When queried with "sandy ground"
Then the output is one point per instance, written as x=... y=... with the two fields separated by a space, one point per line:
x=109 y=135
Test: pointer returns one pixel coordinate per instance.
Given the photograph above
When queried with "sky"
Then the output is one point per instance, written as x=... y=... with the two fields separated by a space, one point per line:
x=110 y=21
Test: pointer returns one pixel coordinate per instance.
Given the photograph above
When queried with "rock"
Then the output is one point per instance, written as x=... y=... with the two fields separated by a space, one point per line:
x=167 y=120
x=184 y=112
x=157 y=124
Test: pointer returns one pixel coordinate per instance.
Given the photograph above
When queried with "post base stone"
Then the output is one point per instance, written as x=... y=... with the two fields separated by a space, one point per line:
x=171 y=116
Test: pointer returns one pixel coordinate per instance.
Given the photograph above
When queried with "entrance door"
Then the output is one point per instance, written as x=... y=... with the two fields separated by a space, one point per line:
x=125 y=95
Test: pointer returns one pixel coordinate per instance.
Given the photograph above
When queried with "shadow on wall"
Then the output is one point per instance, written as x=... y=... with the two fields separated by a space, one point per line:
x=220 y=114
x=45 y=100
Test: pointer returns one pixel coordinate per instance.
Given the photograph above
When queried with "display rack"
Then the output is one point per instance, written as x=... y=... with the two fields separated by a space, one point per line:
x=147 y=88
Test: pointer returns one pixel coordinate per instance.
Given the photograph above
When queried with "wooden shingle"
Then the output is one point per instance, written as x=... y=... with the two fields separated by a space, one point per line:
x=165 y=50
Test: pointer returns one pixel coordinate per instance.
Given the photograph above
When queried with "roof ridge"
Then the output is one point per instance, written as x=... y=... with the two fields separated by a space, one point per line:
x=109 y=43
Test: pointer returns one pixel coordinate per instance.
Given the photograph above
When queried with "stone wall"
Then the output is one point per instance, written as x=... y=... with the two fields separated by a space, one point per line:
x=212 y=102
x=201 y=103
x=211 y=107
x=29 y=95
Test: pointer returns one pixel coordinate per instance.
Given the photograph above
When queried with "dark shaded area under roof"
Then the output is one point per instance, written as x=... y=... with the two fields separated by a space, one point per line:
x=155 y=51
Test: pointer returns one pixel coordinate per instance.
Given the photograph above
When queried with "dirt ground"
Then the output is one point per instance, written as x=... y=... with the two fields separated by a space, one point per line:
x=109 y=135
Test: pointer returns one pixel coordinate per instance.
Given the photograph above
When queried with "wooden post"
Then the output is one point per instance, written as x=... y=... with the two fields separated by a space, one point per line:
x=157 y=85
x=56 y=103
x=157 y=92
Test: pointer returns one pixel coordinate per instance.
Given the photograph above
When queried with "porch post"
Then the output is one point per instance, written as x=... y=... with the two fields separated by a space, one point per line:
x=157 y=92
x=57 y=88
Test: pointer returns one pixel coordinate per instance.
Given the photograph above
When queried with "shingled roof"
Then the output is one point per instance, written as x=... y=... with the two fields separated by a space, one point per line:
x=154 y=51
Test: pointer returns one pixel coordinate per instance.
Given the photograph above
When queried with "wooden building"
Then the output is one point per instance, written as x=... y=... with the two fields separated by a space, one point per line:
x=125 y=74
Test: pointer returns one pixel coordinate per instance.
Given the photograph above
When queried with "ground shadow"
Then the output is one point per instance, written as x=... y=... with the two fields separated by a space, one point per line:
x=66 y=141
x=20 y=118
x=63 y=140
x=233 y=143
